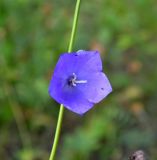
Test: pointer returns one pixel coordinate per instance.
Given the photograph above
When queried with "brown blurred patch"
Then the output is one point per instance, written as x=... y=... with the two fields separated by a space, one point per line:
x=95 y=45
x=137 y=107
x=134 y=67
x=47 y=9
x=49 y=75
x=2 y=33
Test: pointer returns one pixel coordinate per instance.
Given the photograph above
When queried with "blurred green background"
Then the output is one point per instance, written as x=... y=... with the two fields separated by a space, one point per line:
x=33 y=34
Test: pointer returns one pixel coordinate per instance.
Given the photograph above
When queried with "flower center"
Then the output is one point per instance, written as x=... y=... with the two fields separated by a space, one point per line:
x=72 y=81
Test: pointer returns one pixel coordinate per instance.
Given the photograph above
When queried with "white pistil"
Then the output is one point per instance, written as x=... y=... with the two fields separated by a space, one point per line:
x=81 y=81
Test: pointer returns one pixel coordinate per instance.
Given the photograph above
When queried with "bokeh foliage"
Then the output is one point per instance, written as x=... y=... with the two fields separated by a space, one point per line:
x=33 y=34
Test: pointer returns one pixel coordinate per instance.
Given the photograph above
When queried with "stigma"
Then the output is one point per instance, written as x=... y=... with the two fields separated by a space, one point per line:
x=72 y=81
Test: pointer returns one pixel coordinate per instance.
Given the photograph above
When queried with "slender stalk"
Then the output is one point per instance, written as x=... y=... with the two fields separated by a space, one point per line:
x=58 y=128
x=61 y=111
x=74 y=26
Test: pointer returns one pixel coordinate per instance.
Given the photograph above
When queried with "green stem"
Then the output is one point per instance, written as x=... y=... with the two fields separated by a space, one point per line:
x=58 y=128
x=74 y=26
x=61 y=111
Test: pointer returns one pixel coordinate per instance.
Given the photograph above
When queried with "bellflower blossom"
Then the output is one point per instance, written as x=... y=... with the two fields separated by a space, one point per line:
x=78 y=81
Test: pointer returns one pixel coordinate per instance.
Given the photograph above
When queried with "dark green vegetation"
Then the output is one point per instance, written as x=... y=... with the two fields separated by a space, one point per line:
x=32 y=35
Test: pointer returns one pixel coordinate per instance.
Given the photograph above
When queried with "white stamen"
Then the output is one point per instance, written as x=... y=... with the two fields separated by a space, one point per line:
x=74 y=76
x=74 y=81
x=73 y=84
x=81 y=81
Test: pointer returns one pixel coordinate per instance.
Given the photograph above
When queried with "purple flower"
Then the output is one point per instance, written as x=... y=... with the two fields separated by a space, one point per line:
x=78 y=81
